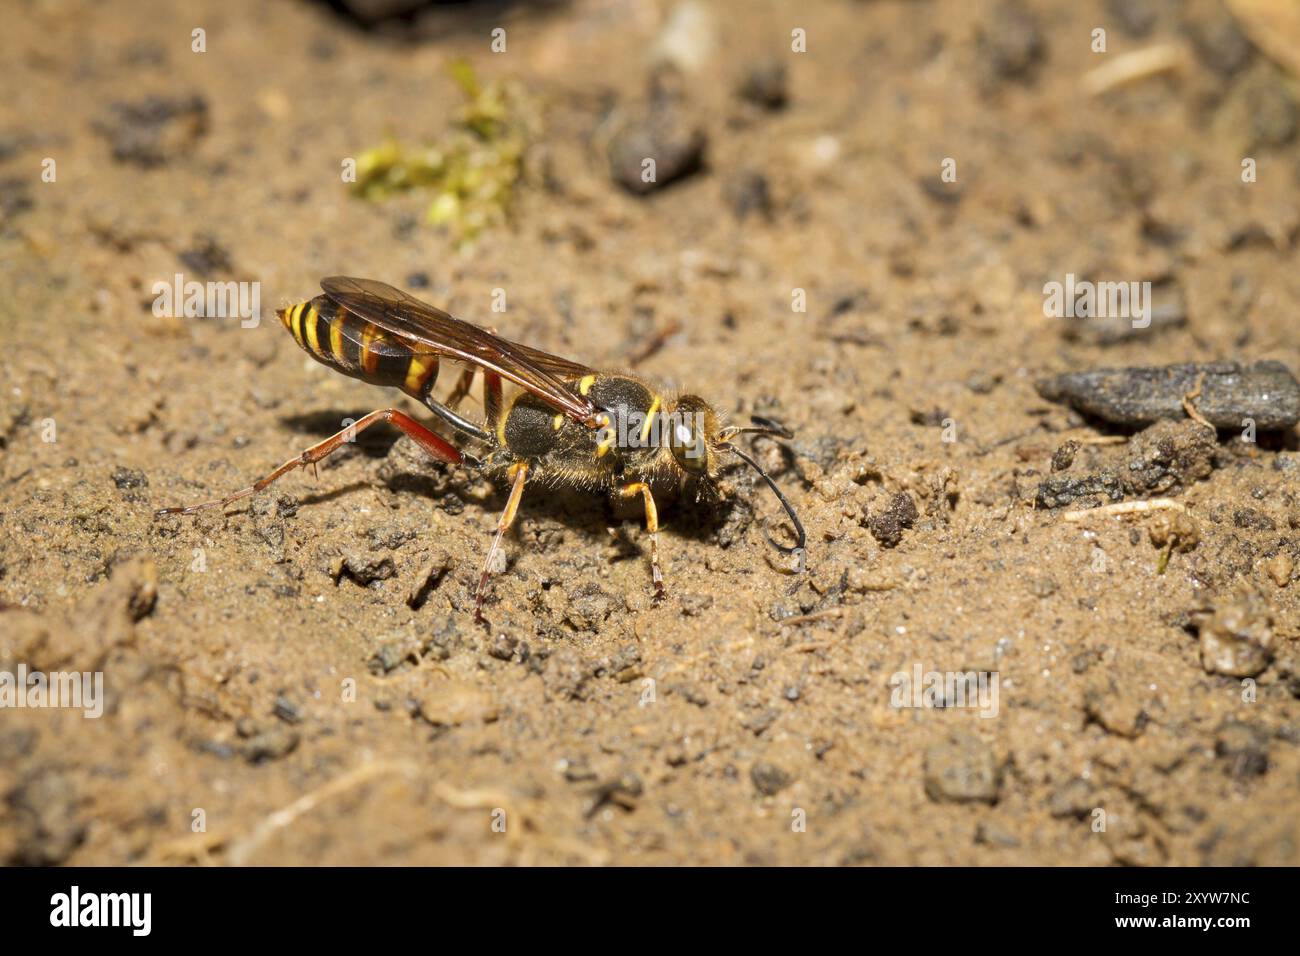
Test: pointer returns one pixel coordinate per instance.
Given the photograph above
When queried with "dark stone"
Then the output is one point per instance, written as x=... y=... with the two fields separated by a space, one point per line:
x=887 y=526
x=768 y=778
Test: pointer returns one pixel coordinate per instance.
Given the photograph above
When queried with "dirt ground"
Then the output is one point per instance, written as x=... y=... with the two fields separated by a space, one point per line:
x=300 y=679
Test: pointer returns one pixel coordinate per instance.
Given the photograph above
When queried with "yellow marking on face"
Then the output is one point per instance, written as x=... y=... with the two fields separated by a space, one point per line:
x=557 y=422
x=584 y=386
x=650 y=419
x=418 y=371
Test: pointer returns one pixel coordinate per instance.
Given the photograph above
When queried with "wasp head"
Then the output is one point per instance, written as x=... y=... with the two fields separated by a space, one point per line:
x=698 y=440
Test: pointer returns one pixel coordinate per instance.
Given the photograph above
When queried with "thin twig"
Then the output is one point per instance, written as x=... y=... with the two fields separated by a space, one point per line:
x=655 y=343
x=1102 y=440
x=814 y=616
x=245 y=847
x=1125 y=508
x=1130 y=67
x=1189 y=403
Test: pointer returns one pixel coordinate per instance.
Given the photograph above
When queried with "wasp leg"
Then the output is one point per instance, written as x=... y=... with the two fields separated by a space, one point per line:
x=447 y=410
x=651 y=525
x=436 y=446
x=466 y=381
x=462 y=425
x=492 y=398
x=461 y=391
x=518 y=475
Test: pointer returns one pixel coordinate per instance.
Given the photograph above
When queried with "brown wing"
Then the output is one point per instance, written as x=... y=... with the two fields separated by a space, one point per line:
x=555 y=364
x=404 y=315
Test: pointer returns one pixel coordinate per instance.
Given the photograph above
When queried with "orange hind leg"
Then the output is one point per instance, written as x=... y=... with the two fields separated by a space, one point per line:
x=435 y=445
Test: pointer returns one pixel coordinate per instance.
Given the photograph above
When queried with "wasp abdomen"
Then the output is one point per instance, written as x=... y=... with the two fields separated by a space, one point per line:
x=349 y=344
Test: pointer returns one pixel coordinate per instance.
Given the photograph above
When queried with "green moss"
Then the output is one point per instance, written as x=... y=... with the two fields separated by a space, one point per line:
x=472 y=171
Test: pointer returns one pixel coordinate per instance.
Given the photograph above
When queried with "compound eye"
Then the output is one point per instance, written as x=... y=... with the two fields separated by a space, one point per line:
x=688 y=448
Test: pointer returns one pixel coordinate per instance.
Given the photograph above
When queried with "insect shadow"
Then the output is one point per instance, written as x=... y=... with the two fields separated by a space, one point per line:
x=375 y=442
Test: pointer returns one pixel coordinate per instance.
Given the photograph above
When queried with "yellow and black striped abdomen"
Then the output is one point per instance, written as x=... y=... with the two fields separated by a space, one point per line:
x=349 y=344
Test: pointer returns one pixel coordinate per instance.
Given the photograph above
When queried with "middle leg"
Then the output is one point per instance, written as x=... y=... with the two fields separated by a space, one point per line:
x=462 y=388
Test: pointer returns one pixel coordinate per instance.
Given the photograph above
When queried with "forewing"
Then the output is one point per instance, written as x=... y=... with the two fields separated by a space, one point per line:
x=394 y=311
x=555 y=364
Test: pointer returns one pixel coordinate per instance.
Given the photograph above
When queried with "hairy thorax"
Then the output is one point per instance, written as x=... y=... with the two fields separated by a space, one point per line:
x=633 y=445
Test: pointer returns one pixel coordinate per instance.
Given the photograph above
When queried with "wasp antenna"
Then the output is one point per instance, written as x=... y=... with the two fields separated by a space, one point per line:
x=800 y=536
x=761 y=426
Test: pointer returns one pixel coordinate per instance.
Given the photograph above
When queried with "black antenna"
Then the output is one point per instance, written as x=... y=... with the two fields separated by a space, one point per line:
x=800 y=535
x=761 y=426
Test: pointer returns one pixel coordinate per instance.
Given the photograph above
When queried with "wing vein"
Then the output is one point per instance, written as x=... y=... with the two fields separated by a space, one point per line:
x=443 y=334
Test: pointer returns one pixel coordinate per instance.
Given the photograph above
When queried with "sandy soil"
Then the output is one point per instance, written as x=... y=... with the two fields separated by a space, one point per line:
x=314 y=650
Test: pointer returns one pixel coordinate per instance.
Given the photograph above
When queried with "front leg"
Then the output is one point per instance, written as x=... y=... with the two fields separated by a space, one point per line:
x=651 y=525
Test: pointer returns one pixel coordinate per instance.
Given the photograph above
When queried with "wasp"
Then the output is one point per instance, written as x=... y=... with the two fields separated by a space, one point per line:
x=561 y=423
